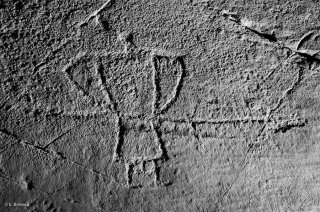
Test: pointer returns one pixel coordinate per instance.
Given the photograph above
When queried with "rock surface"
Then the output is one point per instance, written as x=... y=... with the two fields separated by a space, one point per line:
x=159 y=105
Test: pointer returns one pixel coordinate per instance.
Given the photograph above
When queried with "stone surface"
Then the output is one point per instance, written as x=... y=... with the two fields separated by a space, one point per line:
x=159 y=105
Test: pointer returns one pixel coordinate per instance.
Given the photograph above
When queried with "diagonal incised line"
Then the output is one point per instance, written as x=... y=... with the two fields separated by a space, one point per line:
x=95 y=14
x=156 y=85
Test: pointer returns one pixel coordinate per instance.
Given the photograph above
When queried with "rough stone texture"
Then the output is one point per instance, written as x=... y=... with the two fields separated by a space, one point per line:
x=159 y=105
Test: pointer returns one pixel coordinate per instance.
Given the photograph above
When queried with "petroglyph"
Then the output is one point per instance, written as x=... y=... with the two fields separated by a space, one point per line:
x=159 y=105
x=130 y=141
